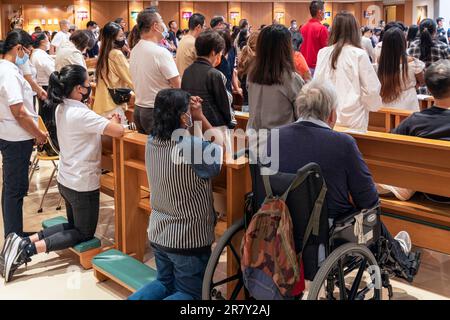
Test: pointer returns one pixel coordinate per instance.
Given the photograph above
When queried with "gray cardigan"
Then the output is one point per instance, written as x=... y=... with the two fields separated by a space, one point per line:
x=273 y=106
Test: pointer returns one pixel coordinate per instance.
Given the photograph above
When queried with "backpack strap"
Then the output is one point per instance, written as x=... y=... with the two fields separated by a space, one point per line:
x=298 y=180
x=314 y=219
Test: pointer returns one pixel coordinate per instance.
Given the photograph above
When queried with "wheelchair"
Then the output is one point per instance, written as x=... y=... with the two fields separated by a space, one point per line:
x=345 y=260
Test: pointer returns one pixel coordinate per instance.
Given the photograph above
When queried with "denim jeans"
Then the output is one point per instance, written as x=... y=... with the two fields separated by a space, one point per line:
x=180 y=277
x=16 y=160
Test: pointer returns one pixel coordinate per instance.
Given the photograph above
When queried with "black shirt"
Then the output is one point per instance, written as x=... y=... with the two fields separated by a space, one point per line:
x=432 y=123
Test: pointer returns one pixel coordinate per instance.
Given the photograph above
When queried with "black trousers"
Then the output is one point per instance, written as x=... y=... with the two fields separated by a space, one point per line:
x=16 y=160
x=82 y=216
x=143 y=119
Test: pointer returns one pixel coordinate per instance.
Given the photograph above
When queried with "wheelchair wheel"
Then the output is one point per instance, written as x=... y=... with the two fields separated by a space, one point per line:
x=211 y=284
x=350 y=272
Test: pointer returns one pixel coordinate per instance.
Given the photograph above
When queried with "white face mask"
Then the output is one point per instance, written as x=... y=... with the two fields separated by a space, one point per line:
x=47 y=46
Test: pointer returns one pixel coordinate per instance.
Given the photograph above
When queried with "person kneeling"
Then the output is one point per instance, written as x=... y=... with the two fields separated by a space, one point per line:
x=182 y=221
x=79 y=131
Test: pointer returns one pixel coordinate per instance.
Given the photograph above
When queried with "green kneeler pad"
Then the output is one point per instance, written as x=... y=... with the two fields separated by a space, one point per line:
x=81 y=247
x=128 y=270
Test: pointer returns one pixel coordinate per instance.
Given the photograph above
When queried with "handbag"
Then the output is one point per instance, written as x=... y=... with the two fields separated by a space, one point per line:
x=120 y=95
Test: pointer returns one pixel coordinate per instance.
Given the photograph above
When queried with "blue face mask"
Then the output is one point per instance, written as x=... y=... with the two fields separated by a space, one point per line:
x=20 y=61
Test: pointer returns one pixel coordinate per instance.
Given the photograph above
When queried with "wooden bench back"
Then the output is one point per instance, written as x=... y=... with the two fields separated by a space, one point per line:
x=410 y=162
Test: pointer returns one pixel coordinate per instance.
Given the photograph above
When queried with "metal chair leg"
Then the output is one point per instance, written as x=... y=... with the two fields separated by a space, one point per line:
x=60 y=203
x=34 y=165
x=46 y=189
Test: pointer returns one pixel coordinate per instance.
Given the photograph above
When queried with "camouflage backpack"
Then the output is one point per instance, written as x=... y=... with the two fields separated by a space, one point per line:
x=271 y=268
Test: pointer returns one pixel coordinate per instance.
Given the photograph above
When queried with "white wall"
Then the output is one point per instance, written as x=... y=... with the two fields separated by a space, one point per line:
x=429 y=3
x=444 y=11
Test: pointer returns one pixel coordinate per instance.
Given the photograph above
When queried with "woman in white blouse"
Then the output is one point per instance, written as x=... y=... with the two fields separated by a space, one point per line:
x=348 y=67
x=398 y=73
x=43 y=63
x=18 y=130
x=71 y=52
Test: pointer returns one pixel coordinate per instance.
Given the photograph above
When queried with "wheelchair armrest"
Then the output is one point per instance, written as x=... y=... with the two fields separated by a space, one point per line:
x=348 y=218
x=345 y=219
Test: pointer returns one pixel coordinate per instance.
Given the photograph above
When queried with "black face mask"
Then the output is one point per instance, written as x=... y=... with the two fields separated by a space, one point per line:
x=85 y=96
x=119 y=43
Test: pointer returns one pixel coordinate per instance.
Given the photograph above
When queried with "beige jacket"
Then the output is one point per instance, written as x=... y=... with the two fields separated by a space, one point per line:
x=119 y=77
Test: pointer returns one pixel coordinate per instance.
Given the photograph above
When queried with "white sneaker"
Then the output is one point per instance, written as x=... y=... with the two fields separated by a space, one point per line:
x=405 y=241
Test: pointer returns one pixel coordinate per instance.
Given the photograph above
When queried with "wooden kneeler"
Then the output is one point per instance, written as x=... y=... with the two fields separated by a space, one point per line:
x=85 y=250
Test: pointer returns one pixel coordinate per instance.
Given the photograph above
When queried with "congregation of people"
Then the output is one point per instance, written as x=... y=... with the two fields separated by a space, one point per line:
x=303 y=80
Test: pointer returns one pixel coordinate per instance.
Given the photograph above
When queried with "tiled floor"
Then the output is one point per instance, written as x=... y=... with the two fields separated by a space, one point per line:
x=58 y=276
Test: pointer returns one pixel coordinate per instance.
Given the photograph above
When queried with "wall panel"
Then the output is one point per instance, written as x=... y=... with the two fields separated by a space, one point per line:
x=169 y=10
x=257 y=13
x=105 y=11
x=211 y=9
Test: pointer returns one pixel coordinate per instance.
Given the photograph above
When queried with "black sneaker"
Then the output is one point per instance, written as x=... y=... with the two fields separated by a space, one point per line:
x=15 y=256
x=9 y=239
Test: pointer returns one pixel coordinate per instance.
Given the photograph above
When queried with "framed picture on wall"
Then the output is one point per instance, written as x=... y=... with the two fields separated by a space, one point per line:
x=422 y=13
x=234 y=15
x=134 y=15
x=43 y=22
x=49 y=22
x=186 y=15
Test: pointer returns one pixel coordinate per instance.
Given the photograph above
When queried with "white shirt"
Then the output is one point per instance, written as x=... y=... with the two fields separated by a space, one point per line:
x=14 y=89
x=28 y=69
x=408 y=98
x=151 y=67
x=79 y=131
x=377 y=51
x=366 y=44
x=44 y=65
x=68 y=54
x=357 y=85
x=59 y=39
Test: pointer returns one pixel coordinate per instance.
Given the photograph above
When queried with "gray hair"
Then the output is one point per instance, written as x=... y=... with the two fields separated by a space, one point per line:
x=437 y=79
x=316 y=100
x=64 y=22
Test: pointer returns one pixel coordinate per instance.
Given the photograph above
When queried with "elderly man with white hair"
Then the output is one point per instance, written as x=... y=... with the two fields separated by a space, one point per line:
x=312 y=139
x=62 y=36
x=349 y=182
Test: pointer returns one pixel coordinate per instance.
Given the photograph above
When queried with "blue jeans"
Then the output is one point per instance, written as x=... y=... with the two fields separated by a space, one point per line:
x=16 y=160
x=180 y=277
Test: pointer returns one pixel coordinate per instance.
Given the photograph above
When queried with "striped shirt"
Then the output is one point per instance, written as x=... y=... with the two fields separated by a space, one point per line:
x=183 y=216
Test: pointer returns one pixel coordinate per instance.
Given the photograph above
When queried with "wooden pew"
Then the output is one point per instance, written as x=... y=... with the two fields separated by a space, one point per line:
x=419 y=164
x=383 y=120
x=425 y=101
x=134 y=203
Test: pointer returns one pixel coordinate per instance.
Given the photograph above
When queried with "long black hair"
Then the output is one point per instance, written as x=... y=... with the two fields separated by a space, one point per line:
x=62 y=83
x=427 y=30
x=274 y=56
x=393 y=65
x=14 y=38
x=170 y=104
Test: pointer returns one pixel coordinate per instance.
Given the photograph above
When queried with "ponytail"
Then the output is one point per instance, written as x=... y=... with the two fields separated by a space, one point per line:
x=62 y=83
x=55 y=92
x=427 y=30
